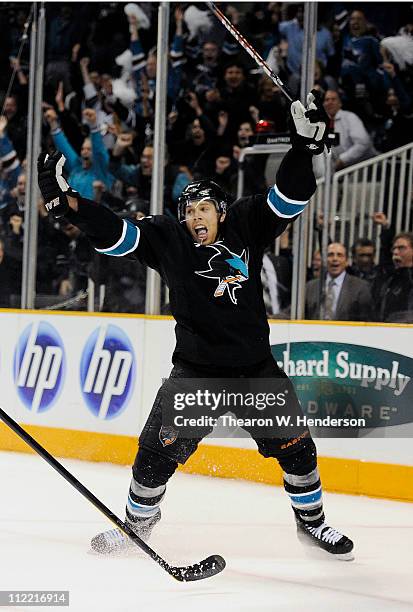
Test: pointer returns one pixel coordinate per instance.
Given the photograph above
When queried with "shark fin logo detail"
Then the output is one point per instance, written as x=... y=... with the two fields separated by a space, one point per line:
x=229 y=269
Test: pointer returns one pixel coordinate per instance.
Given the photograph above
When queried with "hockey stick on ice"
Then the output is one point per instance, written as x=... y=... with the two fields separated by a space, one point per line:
x=249 y=49
x=204 y=569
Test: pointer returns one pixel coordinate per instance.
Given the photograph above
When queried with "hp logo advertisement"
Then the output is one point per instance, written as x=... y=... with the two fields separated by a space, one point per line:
x=39 y=366
x=107 y=372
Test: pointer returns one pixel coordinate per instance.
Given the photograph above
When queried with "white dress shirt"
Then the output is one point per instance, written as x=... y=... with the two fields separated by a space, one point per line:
x=355 y=142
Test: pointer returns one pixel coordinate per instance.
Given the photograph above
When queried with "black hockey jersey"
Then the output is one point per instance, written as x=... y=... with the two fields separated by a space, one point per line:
x=215 y=290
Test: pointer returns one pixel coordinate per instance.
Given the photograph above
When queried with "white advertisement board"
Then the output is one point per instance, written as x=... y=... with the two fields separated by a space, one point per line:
x=101 y=373
x=74 y=372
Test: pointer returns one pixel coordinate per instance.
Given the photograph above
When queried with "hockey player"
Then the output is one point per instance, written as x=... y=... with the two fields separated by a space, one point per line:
x=221 y=325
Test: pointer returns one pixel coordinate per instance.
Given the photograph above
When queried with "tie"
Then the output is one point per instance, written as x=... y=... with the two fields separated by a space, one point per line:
x=329 y=302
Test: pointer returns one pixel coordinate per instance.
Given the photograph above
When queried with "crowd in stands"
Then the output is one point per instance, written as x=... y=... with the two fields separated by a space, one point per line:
x=99 y=105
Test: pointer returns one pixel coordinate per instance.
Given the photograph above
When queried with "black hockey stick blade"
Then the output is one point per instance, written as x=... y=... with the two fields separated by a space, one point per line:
x=198 y=571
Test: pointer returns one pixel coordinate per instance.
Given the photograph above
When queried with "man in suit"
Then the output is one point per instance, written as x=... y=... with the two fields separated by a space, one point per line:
x=343 y=297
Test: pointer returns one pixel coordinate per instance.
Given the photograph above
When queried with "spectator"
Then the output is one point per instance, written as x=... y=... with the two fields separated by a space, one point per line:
x=196 y=150
x=272 y=105
x=355 y=144
x=76 y=260
x=236 y=96
x=253 y=165
x=50 y=250
x=92 y=164
x=316 y=263
x=108 y=37
x=225 y=172
x=393 y=81
x=19 y=193
x=396 y=127
x=16 y=125
x=112 y=103
x=363 y=254
x=144 y=68
x=206 y=72
x=343 y=297
x=103 y=196
x=323 y=81
x=263 y=26
x=213 y=108
x=244 y=134
x=293 y=32
x=139 y=175
x=68 y=116
x=399 y=49
x=10 y=278
x=207 y=69
x=395 y=290
x=361 y=59
x=13 y=236
x=64 y=36
x=10 y=167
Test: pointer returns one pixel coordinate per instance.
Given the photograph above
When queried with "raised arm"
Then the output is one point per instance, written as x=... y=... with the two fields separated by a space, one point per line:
x=267 y=217
x=100 y=224
x=151 y=240
x=295 y=182
x=60 y=140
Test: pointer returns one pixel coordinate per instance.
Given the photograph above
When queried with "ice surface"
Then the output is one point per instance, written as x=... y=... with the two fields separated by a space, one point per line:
x=46 y=525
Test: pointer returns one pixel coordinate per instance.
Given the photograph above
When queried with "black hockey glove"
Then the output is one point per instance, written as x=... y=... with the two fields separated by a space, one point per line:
x=308 y=125
x=52 y=184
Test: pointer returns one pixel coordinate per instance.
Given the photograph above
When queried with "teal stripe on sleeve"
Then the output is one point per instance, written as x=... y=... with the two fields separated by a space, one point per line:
x=127 y=242
x=282 y=206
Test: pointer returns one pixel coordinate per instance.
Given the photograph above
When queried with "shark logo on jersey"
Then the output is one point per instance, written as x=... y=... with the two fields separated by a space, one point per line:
x=229 y=269
x=167 y=435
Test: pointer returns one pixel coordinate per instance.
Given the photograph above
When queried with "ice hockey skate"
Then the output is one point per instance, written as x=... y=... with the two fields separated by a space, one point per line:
x=327 y=539
x=115 y=542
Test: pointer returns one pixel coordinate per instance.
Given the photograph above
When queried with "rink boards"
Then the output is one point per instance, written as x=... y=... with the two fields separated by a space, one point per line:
x=83 y=385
